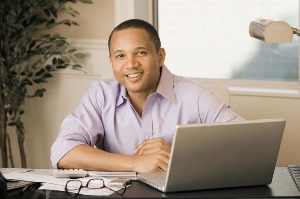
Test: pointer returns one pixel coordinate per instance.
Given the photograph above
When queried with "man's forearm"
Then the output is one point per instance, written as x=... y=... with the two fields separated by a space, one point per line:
x=90 y=158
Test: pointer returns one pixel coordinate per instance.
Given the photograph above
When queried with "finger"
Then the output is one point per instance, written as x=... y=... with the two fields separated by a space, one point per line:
x=145 y=143
x=147 y=151
x=164 y=163
x=150 y=143
x=164 y=167
x=138 y=148
x=143 y=149
x=150 y=147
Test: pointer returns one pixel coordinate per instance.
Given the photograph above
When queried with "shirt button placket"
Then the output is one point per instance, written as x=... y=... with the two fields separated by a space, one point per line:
x=147 y=118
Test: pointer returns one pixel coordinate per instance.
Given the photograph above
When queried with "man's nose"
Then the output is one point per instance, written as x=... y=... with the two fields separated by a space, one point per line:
x=132 y=62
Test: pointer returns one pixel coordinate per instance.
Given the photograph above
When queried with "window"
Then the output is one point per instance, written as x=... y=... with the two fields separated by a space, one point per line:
x=210 y=39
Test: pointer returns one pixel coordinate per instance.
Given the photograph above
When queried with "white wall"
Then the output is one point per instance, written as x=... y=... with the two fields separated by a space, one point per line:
x=44 y=115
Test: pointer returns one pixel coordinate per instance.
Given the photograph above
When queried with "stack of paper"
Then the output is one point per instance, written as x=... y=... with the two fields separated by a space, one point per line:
x=45 y=176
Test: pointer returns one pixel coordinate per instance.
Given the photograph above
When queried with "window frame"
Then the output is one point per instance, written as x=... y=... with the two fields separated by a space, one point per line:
x=255 y=86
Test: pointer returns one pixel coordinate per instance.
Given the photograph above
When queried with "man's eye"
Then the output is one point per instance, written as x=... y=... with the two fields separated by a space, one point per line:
x=141 y=53
x=119 y=56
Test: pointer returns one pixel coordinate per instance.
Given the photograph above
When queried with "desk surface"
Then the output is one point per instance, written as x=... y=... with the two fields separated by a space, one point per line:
x=282 y=186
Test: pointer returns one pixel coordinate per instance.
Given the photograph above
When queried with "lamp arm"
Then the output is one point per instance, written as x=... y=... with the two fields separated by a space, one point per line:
x=296 y=31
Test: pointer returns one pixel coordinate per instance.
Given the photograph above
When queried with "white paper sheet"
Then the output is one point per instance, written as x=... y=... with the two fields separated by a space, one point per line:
x=51 y=183
x=35 y=177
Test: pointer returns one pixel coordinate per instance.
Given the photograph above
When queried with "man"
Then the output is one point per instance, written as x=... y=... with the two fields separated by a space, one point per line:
x=127 y=123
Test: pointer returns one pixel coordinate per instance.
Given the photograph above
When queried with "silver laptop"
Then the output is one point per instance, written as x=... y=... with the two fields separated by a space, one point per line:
x=220 y=155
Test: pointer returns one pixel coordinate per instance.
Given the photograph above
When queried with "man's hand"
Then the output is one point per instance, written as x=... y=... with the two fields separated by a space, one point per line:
x=154 y=145
x=152 y=155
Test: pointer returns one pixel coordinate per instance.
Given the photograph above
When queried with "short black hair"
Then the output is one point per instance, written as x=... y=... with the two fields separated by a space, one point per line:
x=138 y=23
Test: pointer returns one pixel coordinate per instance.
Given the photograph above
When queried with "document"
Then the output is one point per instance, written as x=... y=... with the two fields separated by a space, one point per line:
x=12 y=184
x=109 y=174
x=45 y=176
x=35 y=175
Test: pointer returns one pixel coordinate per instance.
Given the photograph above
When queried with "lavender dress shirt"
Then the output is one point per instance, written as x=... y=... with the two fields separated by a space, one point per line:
x=106 y=119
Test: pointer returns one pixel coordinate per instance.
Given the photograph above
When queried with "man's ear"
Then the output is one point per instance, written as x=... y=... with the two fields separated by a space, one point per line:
x=109 y=56
x=161 y=56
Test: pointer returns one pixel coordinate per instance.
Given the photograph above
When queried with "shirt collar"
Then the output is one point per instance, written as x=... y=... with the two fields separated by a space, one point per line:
x=165 y=87
x=122 y=95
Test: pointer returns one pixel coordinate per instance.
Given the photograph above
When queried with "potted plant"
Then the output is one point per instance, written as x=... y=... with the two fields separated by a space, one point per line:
x=29 y=56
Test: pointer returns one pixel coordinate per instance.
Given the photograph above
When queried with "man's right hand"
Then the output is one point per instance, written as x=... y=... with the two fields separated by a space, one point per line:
x=151 y=162
x=152 y=155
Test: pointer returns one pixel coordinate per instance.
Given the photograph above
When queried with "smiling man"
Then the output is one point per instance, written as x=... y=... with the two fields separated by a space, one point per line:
x=127 y=123
x=136 y=64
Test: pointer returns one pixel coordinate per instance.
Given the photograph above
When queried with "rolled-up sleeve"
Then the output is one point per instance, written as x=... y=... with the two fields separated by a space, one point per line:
x=83 y=126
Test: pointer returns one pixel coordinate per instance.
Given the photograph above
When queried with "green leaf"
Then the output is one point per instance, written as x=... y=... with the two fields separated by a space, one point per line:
x=48 y=67
x=76 y=66
x=11 y=124
x=40 y=72
x=47 y=12
x=61 y=66
x=86 y=1
x=40 y=80
x=54 y=12
x=65 y=59
x=60 y=43
x=50 y=23
x=54 y=61
x=72 y=50
x=39 y=92
x=79 y=55
x=13 y=13
x=27 y=82
x=10 y=111
x=55 y=36
x=46 y=36
x=29 y=74
x=47 y=75
x=32 y=44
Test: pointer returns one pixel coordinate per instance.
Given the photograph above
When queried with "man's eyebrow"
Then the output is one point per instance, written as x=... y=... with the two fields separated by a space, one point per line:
x=117 y=51
x=141 y=48
x=137 y=48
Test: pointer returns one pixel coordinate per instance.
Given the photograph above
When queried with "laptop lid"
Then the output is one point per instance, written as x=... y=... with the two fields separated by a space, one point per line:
x=222 y=155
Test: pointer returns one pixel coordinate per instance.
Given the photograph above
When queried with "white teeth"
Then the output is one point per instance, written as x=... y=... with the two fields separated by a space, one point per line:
x=134 y=75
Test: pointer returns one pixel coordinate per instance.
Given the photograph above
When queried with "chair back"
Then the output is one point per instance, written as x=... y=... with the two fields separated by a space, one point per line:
x=222 y=91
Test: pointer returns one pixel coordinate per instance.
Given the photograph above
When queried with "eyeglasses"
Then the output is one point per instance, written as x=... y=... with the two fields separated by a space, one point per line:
x=73 y=187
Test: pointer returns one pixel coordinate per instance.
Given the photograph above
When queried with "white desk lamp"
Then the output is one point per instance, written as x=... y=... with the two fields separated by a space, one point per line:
x=272 y=31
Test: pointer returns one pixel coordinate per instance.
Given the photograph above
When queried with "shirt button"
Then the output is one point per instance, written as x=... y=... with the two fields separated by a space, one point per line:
x=146 y=137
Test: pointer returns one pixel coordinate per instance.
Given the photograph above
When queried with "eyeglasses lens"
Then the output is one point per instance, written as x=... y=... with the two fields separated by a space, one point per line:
x=95 y=184
x=73 y=185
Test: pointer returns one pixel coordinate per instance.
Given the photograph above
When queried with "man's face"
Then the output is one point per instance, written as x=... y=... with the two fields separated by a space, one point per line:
x=135 y=63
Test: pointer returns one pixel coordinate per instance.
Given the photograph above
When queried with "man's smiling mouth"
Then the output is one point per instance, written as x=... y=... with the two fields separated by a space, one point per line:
x=134 y=75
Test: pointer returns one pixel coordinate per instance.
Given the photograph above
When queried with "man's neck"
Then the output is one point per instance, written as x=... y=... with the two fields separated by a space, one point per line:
x=138 y=101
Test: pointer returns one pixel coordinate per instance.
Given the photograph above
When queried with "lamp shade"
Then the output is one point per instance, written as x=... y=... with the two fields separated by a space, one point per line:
x=271 y=31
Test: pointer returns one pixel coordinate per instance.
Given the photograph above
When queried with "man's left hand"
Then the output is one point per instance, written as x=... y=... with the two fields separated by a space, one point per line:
x=151 y=146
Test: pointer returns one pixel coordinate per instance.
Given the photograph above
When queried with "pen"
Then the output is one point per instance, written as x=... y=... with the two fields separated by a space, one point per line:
x=21 y=192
